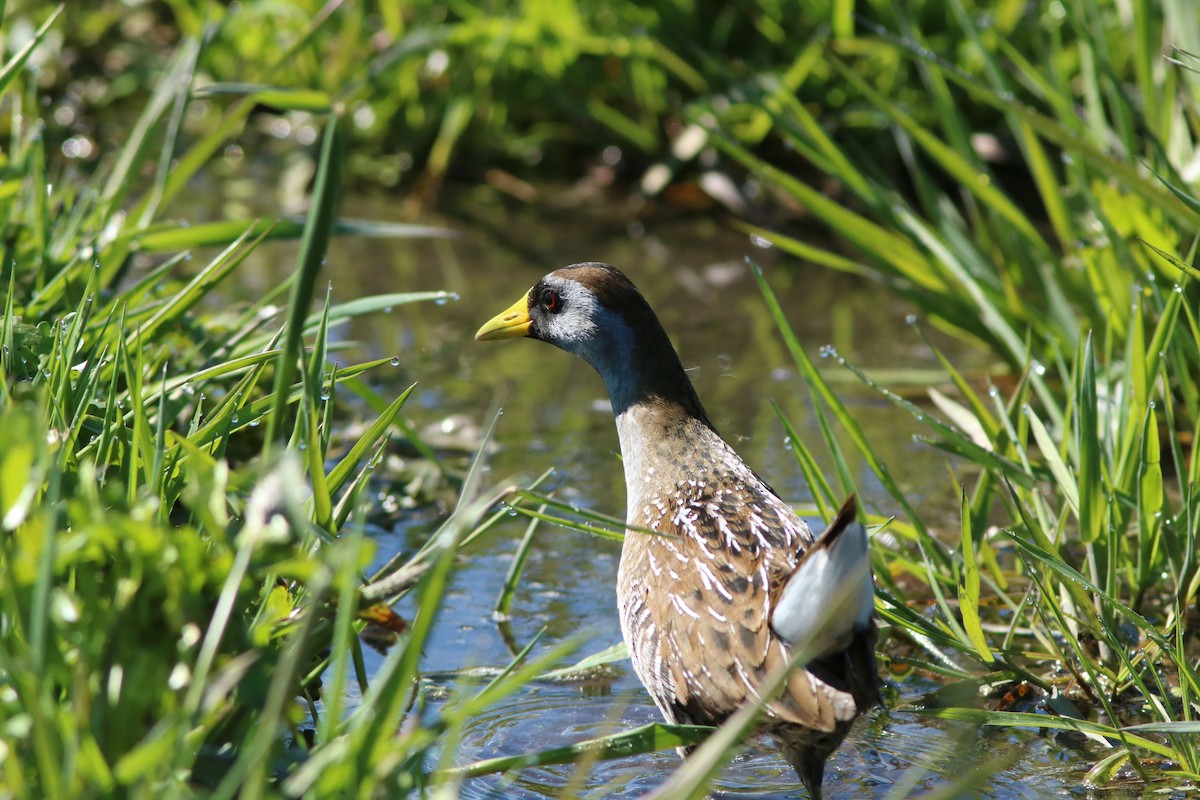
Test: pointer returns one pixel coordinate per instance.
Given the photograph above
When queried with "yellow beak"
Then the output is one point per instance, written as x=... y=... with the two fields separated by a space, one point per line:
x=508 y=324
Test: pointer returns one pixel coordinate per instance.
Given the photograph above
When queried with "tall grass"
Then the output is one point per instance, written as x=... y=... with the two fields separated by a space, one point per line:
x=182 y=518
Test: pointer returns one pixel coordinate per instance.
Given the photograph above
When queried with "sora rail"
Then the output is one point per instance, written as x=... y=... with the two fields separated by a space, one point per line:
x=733 y=584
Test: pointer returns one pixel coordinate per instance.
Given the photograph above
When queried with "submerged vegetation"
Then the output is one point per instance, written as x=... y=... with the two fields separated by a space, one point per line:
x=183 y=504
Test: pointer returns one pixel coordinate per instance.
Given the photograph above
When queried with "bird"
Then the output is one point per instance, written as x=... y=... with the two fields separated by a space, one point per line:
x=720 y=581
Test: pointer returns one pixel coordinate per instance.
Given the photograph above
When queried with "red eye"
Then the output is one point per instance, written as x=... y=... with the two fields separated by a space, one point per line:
x=550 y=300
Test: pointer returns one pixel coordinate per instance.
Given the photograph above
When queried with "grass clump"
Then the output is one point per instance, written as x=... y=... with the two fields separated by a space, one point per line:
x=182 y=538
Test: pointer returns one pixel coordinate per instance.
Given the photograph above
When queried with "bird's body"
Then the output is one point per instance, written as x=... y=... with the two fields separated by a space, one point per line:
x=700 y=598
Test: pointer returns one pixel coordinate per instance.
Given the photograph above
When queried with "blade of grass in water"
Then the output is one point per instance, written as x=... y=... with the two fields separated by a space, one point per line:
x=645 y=739
x=820 y=389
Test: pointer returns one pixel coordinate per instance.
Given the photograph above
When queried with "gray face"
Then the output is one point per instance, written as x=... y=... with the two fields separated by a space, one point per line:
x=568 y=314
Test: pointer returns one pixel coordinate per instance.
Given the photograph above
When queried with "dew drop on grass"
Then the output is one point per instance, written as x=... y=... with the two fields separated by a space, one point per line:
x=387 y=310
x=911 y=319
x=189 y=635
x=234 y=419
x=1153 y=404
x=1038 y=368
x=325 y=393
x=787 y=442
x=827 y=351
x=180 y=677
x=993 y=391
x=395 y=361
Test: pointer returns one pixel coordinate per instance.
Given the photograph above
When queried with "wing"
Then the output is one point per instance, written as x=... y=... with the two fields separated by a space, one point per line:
x=830 y=596
x=697 y=603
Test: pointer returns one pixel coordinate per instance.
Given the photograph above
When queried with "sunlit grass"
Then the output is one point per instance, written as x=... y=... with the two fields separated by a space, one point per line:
x=176 y=617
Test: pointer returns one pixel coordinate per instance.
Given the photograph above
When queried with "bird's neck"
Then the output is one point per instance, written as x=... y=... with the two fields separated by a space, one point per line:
x=666 y=437
x=639 y=366
x=664 y=448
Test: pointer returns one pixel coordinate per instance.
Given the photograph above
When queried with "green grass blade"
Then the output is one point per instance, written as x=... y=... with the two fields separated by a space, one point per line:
x=1043 y=721
x=644 y=739
x=12 y=67
x=1092 y=497
x=280 y=98
x=513 y=577
x=968 y=590
x=1062 y=475
x=367 y=441
x=168 y=237
x=312 y=254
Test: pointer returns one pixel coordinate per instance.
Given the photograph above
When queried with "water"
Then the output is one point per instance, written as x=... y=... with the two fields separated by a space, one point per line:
x=556 y=415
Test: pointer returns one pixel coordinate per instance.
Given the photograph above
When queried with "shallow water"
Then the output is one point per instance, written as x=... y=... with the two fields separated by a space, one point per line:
x=555 y=415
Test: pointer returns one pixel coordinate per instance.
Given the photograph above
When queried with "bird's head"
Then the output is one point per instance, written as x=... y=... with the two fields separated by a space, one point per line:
x=594 y=311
